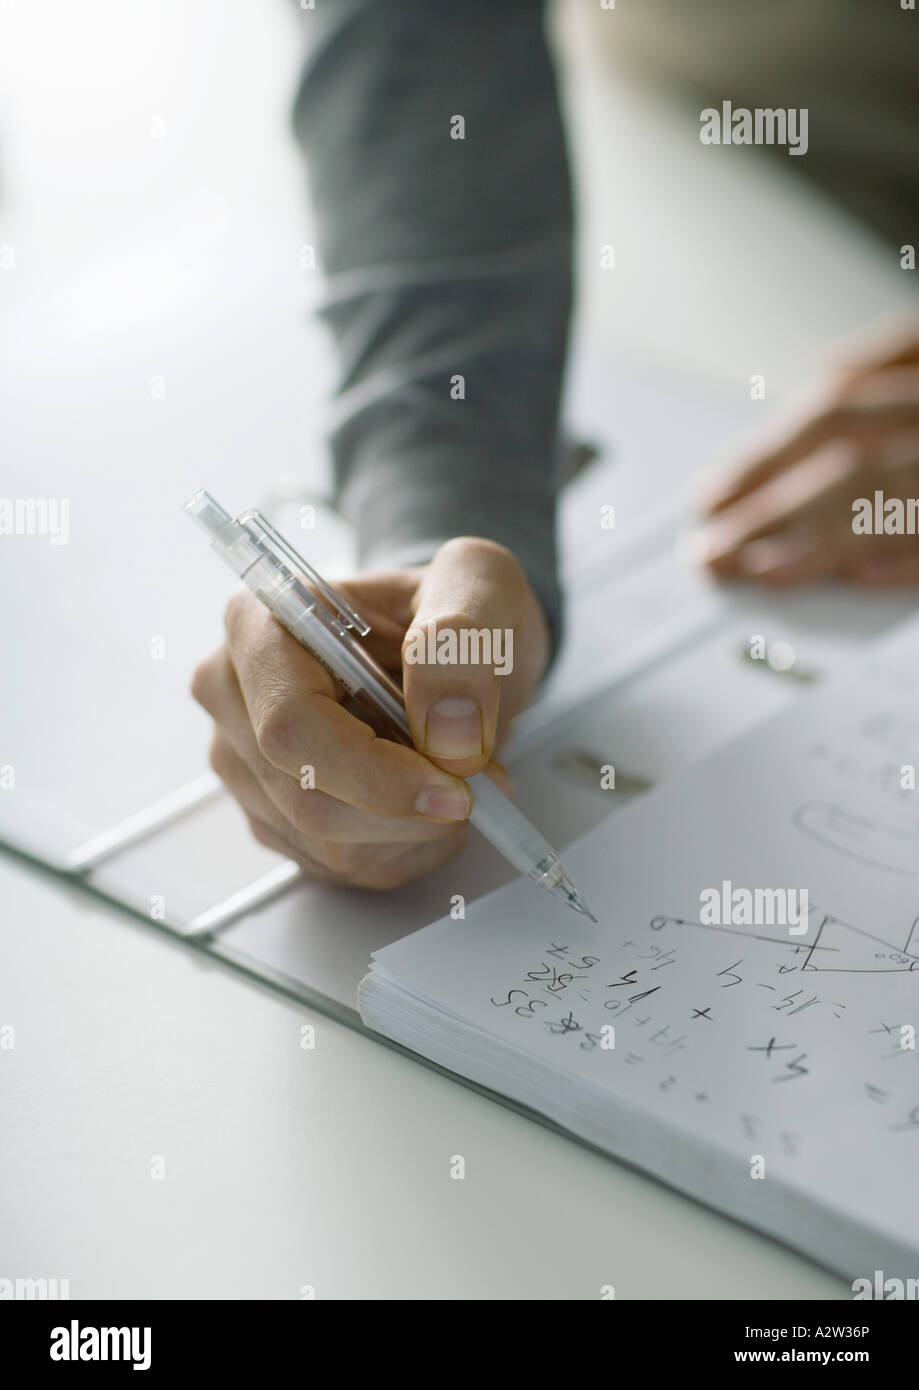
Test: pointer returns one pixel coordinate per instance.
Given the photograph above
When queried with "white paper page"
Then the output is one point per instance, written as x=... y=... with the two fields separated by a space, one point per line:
x=746 y=1038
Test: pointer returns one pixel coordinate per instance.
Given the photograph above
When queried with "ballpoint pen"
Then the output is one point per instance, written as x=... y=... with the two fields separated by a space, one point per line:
x=323 y=622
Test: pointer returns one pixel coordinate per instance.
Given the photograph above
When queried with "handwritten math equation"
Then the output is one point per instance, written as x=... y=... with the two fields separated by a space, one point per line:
x=584 y=1002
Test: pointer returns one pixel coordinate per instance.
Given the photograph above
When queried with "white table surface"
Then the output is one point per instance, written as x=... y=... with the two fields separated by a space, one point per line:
x=330 y=1168
x=287 y=1167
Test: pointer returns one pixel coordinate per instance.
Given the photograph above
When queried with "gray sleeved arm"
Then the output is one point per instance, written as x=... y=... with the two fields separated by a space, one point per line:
x=448 y=270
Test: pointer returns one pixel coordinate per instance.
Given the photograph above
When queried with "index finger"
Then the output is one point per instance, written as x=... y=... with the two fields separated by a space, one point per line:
x=298 y=722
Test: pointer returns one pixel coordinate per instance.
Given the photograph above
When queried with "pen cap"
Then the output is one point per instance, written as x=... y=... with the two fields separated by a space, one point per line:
x=290 y=560
x=228 y=538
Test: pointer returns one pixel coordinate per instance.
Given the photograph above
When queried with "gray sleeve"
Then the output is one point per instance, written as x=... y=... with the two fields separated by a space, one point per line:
x=445 y=258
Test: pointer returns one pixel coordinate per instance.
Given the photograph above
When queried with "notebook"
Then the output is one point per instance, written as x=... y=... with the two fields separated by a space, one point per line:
x=743 y=1020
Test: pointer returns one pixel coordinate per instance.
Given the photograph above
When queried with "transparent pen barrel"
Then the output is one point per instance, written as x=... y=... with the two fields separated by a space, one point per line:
x=510 y=832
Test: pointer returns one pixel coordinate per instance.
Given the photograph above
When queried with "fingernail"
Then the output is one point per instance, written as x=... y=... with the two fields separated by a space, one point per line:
x=453 y=729
x=444 y=803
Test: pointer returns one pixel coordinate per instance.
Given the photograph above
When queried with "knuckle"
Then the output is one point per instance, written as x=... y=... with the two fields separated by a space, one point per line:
x=470 y=547
x=499 y=558
x=237 y=606
x=452 y=621
x=273 y=725
x=219 y=756
x=204 y=683
x=460 y=547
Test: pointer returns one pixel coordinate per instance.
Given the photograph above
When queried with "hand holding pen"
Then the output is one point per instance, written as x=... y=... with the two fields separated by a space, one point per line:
x=378 y=812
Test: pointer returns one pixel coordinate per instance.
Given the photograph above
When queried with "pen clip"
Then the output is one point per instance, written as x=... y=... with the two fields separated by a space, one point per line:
x=285 y=552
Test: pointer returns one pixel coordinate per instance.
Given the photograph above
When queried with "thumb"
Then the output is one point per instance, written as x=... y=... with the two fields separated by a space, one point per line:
x=462 y=636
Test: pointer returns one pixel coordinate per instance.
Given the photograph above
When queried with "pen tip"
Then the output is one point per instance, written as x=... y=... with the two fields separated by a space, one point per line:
x=564 y=887
x=577 y=902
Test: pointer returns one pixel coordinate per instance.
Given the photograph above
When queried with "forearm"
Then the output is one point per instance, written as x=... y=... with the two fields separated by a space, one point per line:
x=446 y=259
